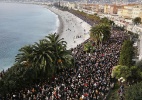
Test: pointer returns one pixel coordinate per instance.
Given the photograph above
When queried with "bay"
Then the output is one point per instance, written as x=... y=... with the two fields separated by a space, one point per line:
x=22 y=24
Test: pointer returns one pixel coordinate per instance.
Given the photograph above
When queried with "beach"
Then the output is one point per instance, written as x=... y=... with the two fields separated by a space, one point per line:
x=73 y=29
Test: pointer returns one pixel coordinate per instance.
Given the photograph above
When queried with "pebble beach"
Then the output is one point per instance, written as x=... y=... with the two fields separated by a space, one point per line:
x=73 y=29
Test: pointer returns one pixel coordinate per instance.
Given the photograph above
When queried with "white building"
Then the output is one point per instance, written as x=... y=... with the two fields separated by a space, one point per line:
x=136 y=11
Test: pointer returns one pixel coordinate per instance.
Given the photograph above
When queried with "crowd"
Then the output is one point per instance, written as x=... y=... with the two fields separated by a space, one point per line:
x=121 y=92
x=89 y=80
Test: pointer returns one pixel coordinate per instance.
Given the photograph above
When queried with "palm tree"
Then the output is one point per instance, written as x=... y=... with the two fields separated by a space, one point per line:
x=64 y=58
x=100 y=33
x=42 y=56
x=45 y=56
x=25 y=56
x=55 y=40
x=61 y=55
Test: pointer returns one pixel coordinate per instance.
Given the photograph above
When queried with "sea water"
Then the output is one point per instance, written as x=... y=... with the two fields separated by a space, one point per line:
x=22 y=24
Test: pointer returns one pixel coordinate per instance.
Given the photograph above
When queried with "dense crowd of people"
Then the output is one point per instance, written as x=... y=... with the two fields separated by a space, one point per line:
x=89 y=80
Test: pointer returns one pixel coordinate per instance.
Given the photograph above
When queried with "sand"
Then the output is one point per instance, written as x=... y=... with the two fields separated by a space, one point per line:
x=73 y=29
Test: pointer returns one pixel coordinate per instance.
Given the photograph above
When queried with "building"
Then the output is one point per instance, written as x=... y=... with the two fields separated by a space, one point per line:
x=70 y=5
x=130 y=11
x=114 y=9
x=127 y=12
x=120 y=12
x=111 y=9
x=106 y=9
x=136 y=12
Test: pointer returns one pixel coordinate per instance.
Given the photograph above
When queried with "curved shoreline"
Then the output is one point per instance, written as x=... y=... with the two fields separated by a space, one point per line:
x=61 y=25
x=73 y=29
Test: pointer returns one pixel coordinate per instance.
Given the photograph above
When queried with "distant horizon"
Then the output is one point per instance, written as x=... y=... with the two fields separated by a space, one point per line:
x=88 y=1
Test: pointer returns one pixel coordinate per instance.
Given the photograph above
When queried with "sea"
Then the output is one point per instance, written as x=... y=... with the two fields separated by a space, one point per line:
x=20 y=25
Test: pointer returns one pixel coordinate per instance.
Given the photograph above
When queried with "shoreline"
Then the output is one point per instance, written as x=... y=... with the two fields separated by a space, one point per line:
x=73 y=29
x=60 y=26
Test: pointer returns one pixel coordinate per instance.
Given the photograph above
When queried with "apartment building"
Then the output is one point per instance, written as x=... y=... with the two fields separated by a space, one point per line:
x=127 y=11
x=111 y=9
x=70 y=5
x=120 y=12
x=130 y=11
x=107 y=9
x=136 y=12
x=91 y=7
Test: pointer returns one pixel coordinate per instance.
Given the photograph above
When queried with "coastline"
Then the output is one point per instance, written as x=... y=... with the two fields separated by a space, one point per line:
x=60 y=24
x=73 y=29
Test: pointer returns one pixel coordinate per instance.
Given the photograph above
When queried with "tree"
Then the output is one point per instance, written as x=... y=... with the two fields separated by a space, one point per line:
x=100 y=33
x=136 y=74
x=126 y=53
x=25 y=56
x=43 y=56
x=121 y=71
x=134 y=92
x=15 y=77
x=137 y=20
x=131 y=74
x=62 y=57
x=106 y=21
x=87 y=47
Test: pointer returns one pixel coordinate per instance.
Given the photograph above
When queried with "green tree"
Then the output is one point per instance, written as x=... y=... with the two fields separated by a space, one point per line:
x=126 y=53
x=62 y=57
x=106 y=21
x=88 y=47
x=137 y=20
x=134 y=92
x=100 y=33
x=26 y=55
x=15 y=77
x=121 y=71
x=136 y=74
x=43 y=56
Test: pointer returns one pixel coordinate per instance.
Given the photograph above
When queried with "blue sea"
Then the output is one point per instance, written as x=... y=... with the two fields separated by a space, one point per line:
x=22 y=24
